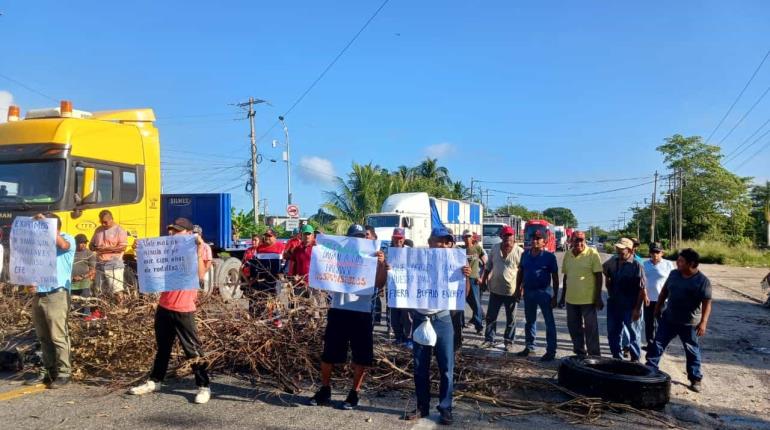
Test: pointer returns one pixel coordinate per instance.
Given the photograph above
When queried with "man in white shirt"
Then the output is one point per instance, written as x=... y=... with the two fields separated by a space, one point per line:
x=656 y=269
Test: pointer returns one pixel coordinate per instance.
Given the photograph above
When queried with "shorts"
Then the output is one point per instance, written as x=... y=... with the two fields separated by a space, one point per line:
x=109 y=280
x=348 y=328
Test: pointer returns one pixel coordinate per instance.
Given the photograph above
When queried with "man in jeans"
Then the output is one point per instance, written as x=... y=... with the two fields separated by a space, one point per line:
x=109 y=243
x=175 y=317
x=625 y=282
x=476 y=259
x=50 y=310
x=687 y=295
x=500 y=278
x=582 y=293
x=538 y=277
x=656 y=270
x=400 y=319
x=442 y=324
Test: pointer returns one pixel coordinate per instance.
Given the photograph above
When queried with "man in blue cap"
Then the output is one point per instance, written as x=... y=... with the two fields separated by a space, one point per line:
x=441 y=321
x=349 y=322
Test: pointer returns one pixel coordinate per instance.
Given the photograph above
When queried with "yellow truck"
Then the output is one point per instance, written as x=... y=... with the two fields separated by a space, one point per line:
x=75 y=164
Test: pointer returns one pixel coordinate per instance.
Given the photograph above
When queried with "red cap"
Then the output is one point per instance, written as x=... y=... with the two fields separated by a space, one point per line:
x=398 y=233
x=507 y=231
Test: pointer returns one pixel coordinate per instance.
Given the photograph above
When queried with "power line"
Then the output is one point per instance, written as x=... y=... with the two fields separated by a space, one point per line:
x=745 y=115
x=27 y=87
x=738 y=154
x=739 y=97
x=747 y=139
x=596 y=181
x=573 y=195
x=753 y=156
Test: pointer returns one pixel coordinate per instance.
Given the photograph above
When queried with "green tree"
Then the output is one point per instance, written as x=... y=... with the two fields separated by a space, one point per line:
x=561 y=216
x=518 y=210
x=759 y=228
x=715 y=201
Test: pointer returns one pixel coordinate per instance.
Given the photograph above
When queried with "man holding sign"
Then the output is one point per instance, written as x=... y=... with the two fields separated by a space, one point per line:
x=353 y=270
x=168 y=258
x=41 y=237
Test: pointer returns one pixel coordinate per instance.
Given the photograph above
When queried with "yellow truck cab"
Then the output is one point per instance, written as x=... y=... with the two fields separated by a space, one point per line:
x=76 y=164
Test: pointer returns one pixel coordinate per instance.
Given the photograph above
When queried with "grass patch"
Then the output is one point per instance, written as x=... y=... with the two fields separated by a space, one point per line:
x=721 y=253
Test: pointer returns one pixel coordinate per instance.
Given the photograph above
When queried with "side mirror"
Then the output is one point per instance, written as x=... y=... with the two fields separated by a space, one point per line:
x=87 y=189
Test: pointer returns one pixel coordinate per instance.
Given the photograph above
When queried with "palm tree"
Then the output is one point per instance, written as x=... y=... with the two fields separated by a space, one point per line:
x=429 y=169
x=362 y=193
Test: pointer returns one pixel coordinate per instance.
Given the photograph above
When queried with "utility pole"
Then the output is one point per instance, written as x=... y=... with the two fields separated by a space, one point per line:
x=254 y=173
x=681 y=202
x=652 y=222
x=288 y=159
x=471 y=188
x=670 y=214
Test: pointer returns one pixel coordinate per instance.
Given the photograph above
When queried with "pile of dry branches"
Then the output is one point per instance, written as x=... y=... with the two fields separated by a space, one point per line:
x=119 y=350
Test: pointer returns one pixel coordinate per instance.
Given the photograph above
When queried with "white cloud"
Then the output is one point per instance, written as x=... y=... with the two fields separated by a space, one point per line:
x=440 y=150
x=313 y=170
x=6 y=99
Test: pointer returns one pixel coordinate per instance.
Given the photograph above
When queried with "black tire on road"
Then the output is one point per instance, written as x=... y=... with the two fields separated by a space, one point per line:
x=228 y=279
x=616 y=380
x=211 y=276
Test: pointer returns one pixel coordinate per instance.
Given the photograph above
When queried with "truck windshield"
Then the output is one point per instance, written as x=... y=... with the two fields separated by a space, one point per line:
x=530 y=230
x=491 y=230
x=383 y=221
x=30 y=182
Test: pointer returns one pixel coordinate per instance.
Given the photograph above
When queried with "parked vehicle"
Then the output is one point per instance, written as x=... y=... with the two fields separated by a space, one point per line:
x=494 y=223
x=545 y=227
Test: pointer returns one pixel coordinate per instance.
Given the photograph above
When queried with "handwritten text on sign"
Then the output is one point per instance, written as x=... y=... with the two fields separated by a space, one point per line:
x=344 y=264
x=167 y=263
x=421 y=278
x=33 y=253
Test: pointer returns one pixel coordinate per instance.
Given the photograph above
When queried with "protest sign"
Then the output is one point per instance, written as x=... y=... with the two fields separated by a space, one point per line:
x=344 y=264
x=167 y=263
x=422 y=278
x=33 y=253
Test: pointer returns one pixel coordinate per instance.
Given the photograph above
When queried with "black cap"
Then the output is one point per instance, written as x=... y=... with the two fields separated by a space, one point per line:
x=181 y=224
x=656 y=247
x=81 y=238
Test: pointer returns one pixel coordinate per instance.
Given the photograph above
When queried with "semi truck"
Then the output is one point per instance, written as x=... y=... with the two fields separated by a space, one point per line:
x=494 y=223
x=545 y=228
x=418 y=213
x=76 y=164
x=560 y=237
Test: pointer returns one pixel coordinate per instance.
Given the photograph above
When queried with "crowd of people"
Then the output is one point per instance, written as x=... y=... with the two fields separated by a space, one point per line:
x=664 y=299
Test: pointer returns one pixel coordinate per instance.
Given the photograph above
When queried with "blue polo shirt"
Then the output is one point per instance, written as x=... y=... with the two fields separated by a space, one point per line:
x=538 y=269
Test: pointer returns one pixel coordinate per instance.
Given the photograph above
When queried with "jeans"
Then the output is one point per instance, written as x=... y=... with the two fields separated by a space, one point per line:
x=401 y=323
x=638 y=325
x=444 y=356
x=474 y=301
x=168 y=326
x=458 y=320
x=667 y=331
x=495 y=301
x=583 y=326
x=650 y=323
x=619 y=316
x=534 y=298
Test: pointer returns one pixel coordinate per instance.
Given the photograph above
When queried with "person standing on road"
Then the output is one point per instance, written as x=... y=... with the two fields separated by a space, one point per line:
x=656 y=270
x=109 y=242
x=400 y=319
x=500 y=277
x=175 y=317
x=83 y=272
x=638 y=324
x=371 y=234
x=349 y=322
x=248 y=269
x=687 y=298
x=538 y=279
x=765 y=285
x=443 y=325
x=625 y=282
x=476 y=259
x=50 y=313
x=582 y=293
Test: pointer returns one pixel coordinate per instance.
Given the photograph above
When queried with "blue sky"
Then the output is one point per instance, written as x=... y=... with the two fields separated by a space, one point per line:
x=497 y=90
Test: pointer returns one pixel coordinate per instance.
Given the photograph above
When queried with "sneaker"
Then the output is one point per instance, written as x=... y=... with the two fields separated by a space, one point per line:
x=95 y=316
x=549 y=356
x=148 y=387
x=37 y=378
x=322 y=397
x=351 y=402
x=626 y=353
x=59 y=382
x=479 y=331
x=486 y=344
x=277 y=323
x=507 y=347
x=446 y=417
x=203 y=395
x=526 y=352
x=695 y=385
x=415 y=414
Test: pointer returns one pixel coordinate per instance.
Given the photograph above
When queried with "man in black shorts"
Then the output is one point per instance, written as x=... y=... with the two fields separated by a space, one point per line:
x=349 y=324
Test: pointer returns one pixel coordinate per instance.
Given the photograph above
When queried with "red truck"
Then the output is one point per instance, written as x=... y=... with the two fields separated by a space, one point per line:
x=545 y=227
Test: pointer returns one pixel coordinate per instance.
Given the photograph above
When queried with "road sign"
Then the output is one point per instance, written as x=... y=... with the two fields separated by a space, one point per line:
x=292 y=223
x=292 y=211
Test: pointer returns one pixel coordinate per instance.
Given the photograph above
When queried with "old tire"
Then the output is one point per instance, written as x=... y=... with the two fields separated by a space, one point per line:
x=228 y=279
x=616 y=380
x=211 y=276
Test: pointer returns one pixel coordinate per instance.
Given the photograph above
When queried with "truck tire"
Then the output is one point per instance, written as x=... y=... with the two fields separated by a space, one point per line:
x=211 y=276
x=616 y=380
x=228 y=279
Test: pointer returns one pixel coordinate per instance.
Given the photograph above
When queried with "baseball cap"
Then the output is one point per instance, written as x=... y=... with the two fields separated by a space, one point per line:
x=467 y=233
x=441 y=232
x=538 y=235
x=398 y=233
x=507 y=231
x=656 y=247
x=81 y=238
x=356 y=230
x=269 y=232
x=579 y=235
x=624 y=243
x=197 y=229
x=181 y=224
x=636 y=242
x=307 y=228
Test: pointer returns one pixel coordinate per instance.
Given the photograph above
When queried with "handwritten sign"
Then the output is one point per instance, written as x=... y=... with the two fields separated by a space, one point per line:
x=167 y=263
x=421 y=278
x=33 y=253
x=344 y=264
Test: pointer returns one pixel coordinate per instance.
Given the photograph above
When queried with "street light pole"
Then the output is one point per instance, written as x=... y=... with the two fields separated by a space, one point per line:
x=288 y=158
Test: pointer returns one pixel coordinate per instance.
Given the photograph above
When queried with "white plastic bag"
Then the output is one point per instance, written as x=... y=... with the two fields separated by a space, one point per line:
x=424 y=334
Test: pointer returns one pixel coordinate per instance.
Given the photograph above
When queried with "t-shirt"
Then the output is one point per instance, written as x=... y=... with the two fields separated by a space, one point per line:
x=179 y=301
x=85 y=260
x=109 y=238
x=503 y=269
x=475 y=252
x=352 y=302
x=685 y=296
x=275 y=248
x=656 y=275
x=300 y=256
x=626 y=278
x=580 y=271
x=537 y=270
x=64 y=260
